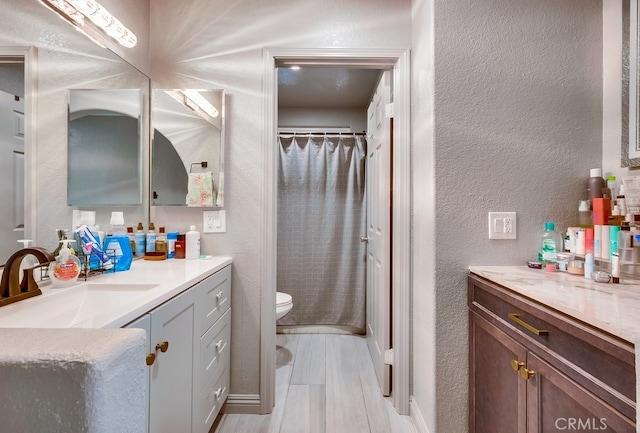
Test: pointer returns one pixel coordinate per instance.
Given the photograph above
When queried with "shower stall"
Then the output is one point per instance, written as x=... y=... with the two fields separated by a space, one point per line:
x=321 y=216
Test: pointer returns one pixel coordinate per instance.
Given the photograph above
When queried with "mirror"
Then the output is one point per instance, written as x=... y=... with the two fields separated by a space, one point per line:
x=630 y=143
x=65 y=60
x=187 y=152
x=104 y=158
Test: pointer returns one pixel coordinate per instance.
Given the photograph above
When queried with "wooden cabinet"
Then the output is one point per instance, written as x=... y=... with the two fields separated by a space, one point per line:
x=188 y=357
x=534 y=369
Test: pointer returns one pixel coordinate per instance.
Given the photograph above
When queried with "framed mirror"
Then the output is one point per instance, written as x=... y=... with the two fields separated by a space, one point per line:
x=60 y=59
x=187 y=151
x=104 y=152
x=630 y=143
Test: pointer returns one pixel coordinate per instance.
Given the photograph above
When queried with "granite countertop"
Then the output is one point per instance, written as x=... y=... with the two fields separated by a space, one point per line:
x=110 y=300
x=614 y=308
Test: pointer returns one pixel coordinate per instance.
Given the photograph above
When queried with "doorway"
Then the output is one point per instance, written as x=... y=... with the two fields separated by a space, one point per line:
x=398 y=60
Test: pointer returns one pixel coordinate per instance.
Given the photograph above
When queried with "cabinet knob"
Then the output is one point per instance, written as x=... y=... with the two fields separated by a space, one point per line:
x=219 y=345
x=219 y=296
x=219 y=392
x=151 y=358
x=527 y=374
x=516 y=365
x=163 y=347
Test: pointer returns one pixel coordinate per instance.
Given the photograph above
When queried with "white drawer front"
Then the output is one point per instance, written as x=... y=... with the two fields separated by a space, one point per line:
x=211 y=400
x=214 y=298
x=215 y=350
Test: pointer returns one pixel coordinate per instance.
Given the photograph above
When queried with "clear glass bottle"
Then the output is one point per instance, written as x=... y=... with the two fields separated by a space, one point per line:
x=550 y=244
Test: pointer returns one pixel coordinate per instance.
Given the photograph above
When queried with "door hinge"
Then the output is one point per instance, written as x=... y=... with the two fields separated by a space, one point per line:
x=388 y=110
x=388 y=357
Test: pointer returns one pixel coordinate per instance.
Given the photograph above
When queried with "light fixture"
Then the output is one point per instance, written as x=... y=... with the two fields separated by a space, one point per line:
x=75 y=12
x=193 y=97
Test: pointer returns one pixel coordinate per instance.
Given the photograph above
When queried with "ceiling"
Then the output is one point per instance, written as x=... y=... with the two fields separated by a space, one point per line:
x=320 y=87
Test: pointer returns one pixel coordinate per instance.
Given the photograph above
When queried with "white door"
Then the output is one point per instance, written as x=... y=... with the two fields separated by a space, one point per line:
x=379 y=230
x=11 y=174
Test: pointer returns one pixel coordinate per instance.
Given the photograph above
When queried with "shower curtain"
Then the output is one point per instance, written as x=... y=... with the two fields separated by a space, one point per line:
x=321 y=216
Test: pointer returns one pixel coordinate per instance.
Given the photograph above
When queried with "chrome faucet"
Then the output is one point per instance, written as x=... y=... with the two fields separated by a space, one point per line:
x=11 y=289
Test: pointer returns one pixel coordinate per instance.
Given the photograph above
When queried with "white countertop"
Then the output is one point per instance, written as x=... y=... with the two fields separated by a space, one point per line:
x=110 y=300
x=614 y=308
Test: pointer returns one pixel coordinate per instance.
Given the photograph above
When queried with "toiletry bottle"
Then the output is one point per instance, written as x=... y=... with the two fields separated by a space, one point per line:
x=65 y=269
x=140 y=240
x=595 y=184
x=550 y=244
x=612 y=188
x=621 y=201
x=132 y=239
x=117 y=224
x=180 y=247
x=192 y=238
x=615 y=268
x=589 y=265
x=585 y=216
x=172 y=237
x=613 y=240
x=161 y=241
x=151 y=239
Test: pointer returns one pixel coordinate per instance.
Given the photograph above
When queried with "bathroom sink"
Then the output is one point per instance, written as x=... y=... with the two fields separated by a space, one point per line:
x=84 y=305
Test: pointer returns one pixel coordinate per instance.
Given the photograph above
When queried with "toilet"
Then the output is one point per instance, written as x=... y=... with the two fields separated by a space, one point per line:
x=284 y=304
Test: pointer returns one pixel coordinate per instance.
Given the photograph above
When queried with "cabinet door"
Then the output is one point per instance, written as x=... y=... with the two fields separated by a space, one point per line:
x=497 y=393
x=172 y=326
x=557 y=403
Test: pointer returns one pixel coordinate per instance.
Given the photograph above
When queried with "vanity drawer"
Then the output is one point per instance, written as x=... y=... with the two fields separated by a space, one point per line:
x=211 y=400
x=213 y=299
x=600 y=362
x=214 y=351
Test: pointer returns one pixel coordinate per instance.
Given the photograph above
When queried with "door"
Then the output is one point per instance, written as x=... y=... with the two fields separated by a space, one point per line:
x=379 y=164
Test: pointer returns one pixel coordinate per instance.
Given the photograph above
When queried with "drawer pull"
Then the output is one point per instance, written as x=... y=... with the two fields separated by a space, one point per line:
x=220 y=345
x=516 y=365
x=516 y=318
x=219 y=296
x=219 y=392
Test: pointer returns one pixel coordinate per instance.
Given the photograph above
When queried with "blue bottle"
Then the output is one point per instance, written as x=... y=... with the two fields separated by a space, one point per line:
x=119 y=247
x=140 y=238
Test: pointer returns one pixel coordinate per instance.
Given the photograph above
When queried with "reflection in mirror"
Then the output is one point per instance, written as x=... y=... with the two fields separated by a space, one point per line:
x=187 y=148
x=11 y=154
x=630 y=143
x=104 y=149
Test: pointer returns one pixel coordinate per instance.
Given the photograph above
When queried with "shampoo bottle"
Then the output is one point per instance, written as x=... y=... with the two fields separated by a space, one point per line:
x=192 y=238
x=151 y=239
x=140 y=238
x=65 y=269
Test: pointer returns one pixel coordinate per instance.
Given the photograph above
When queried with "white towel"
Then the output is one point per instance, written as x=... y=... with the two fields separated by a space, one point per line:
x=200 y=190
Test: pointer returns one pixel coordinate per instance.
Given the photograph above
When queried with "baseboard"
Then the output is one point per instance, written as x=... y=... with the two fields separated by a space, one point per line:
x=242 y=403
x=416 y=416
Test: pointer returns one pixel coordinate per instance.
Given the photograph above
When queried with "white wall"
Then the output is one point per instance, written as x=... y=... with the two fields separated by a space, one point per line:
x=218 y=44
x=516 y=109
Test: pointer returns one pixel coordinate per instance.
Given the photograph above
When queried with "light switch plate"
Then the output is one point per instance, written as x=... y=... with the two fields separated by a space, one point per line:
x=214 y=221
x=502 y=225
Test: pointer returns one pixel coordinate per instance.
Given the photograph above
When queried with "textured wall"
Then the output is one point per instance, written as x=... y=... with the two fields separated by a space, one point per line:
x=517 y=125
x=218 y=44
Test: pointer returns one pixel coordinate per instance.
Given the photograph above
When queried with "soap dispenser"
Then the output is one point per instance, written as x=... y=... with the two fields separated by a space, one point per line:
x=64 y=271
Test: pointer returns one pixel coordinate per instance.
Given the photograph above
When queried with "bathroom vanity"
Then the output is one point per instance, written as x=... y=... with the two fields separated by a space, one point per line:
x=550 y=352
x=185 y=308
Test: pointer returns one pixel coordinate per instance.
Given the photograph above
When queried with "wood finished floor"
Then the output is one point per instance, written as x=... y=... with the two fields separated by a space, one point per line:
x=324 y=383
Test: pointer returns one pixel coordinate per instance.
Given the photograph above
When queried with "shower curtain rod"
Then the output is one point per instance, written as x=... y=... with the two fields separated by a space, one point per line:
x=363 y=133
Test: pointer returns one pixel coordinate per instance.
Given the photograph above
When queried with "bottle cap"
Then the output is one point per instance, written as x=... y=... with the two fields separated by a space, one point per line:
x=596 y=172
x=140 y=226
x=611 y=178
x=583 y=206
x=117 y=218
x=151 y=227
x=549 y=226
x=161 y=229
x=192 y=228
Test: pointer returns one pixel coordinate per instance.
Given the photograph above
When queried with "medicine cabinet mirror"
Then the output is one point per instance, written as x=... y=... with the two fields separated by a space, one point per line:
x=187 y=152
x=104 y=153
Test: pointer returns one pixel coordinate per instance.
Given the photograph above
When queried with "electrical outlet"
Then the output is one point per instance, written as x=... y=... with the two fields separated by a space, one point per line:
x=214 y=221
x=502 y=225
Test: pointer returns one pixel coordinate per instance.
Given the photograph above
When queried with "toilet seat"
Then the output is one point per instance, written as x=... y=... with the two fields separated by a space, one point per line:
x=283 y=299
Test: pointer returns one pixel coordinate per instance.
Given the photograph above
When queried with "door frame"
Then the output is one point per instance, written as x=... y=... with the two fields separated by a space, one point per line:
x=399 y=61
